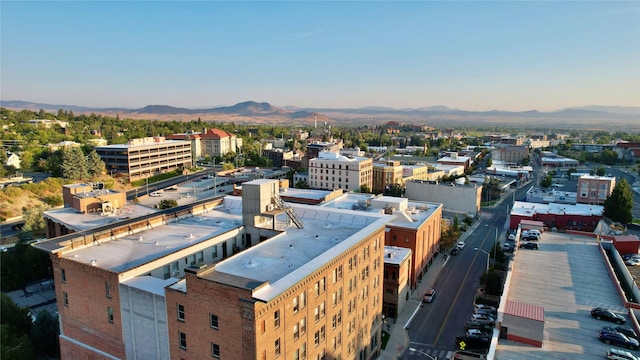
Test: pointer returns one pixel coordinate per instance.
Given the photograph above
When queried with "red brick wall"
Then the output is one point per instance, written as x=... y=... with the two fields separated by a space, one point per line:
x=247 y=330
x=85 y=319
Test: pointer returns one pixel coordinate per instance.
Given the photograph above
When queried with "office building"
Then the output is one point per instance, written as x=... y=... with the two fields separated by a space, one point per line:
x=330 y=170
x=594 y=189
x=145 y=157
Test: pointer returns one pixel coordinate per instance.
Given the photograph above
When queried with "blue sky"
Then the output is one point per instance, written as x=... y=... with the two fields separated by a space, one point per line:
x=467 y=55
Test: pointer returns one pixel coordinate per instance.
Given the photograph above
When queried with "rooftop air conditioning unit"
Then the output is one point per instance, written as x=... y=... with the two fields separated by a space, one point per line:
x=269 y=207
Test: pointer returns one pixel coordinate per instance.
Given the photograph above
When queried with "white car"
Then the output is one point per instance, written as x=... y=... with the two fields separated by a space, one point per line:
x=156 y=193
x=460 y=245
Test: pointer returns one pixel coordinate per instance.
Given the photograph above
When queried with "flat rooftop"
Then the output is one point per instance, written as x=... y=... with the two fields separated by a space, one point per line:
x=73 y=219
x=568 y=277
x=528 y=209
x=291 y=256
x=414 y=215
x=133 y=250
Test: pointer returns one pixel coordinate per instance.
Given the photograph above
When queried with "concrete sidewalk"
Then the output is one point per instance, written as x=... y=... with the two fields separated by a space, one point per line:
x=399 y=341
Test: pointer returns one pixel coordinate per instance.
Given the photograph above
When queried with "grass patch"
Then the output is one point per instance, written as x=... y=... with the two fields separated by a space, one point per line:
x=157 y=178
x=385 y=339
x=636 y=221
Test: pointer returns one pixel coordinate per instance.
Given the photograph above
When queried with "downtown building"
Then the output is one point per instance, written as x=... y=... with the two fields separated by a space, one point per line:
x=145 y=157
x=330 y=170
x=234 y=278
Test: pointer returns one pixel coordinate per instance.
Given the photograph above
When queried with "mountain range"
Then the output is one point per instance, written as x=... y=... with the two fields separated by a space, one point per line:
x=613 y=118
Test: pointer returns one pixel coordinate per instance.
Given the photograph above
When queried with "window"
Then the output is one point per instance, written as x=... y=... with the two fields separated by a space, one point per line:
x=215 y=350
x=322 y=333
x=303 y=351
x=200 y=256
x=107 y=289
x=180 y=311
x=214 y=252
x=296 y=331
x=166 y=272
x=65 y=298
x=276 y=319
x=182 y=340
x=213 y=321
x=316 y=338
x=276 y=347
x=110 y=314
x=295 y=304
x=322 y=310
x=303 y=300
x=63 y=275
x=316 y=314
x=303 y=325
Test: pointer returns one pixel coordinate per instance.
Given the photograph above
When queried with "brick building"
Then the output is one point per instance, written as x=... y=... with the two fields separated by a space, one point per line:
x=594 y=189
x=385 y=174
x=331 y=170
x=308 y=284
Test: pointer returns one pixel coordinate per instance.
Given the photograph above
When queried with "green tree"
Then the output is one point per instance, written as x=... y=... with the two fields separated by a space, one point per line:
x=95 y=165
x=547 y=181
x=167 y=204
x=301 y=184
x=15 y=325
x=44 y=334
x=364 y=188
x=34 y=220
x=600 y=171
x=618 y=205
x=74 y=164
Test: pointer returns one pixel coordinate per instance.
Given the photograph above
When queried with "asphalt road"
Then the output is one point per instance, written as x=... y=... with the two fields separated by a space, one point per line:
x=436 y=325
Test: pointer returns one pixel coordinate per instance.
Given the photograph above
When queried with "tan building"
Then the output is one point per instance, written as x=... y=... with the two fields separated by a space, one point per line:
x=216 y=142
x=145 y=157
x=594 y=189
x=332 y=171
x=420 y=172
x=510 y=154
x=453 y=159
x=463 y=199
x=385 y=174
x=196 y=144
x=307 y=285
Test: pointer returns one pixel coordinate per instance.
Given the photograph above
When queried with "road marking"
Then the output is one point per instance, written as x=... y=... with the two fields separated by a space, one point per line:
x=455 y=299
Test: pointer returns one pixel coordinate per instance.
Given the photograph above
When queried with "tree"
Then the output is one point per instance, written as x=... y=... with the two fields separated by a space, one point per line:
x=74 y=164
x=301 y=184
x=618 y=205
x=44 y=334
x=34 y=220
x=600 y=171
x=547 y=181
x=167 y=204
x=364 y=188
x=14 y=330
x=95 y=165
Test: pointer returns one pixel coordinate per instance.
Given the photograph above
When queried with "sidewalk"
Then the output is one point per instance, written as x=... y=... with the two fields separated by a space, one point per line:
x=399 y=340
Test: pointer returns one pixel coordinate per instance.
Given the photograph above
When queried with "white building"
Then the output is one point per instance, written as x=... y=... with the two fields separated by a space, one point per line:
x=331 y=170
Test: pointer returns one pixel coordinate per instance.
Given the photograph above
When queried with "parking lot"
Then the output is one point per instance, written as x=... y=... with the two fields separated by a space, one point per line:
x=188 y=192
x=567 y=276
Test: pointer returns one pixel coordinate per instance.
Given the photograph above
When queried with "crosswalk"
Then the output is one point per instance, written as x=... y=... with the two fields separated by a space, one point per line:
x=438 y=354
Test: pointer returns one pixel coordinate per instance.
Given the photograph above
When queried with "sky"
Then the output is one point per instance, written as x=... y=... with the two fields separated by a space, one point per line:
x=478 y=55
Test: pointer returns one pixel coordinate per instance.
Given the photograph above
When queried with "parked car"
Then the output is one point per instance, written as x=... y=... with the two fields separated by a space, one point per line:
x=529 y=245
x=632 y=262
x=629 y=332
x=429 y=295
x=616 y=354
x=485 y=312
x=483 y=318
x=454 y=251
x=478 y=325
x=472 y=342
x=460 y=245
x=477 y=332
x=606 y=314
x=485 y=307
x=626 y=257
x=511 y=237
x=508 y=247
x=156 y=193
x=619 y=339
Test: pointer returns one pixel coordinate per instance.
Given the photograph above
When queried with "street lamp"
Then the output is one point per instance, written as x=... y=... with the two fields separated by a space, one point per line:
x=478 y=249
x=495 y=241
x=423 y=353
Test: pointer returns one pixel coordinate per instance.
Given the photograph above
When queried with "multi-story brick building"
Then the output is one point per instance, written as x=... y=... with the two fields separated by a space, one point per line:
x=216 y=142
x=385 y=174
x=332 y=171
x=145 y=288
x=397 y=284
x=594 y=189
x=510 y=154
x=145 y=157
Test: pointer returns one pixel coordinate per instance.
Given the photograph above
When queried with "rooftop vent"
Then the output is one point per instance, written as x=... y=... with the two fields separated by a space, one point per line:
x=140 y=238
x=93 y=262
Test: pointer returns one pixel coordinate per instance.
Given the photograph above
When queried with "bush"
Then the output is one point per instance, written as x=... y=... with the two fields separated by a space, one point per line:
x=53 y=200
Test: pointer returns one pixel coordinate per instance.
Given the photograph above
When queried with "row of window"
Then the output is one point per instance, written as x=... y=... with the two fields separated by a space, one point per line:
x=182 y=342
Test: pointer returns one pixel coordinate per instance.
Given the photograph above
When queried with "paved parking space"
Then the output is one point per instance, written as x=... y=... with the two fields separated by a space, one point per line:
x=568 y=277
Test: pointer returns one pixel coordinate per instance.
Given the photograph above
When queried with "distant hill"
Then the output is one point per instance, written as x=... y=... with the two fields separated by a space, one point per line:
x=615 y=118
